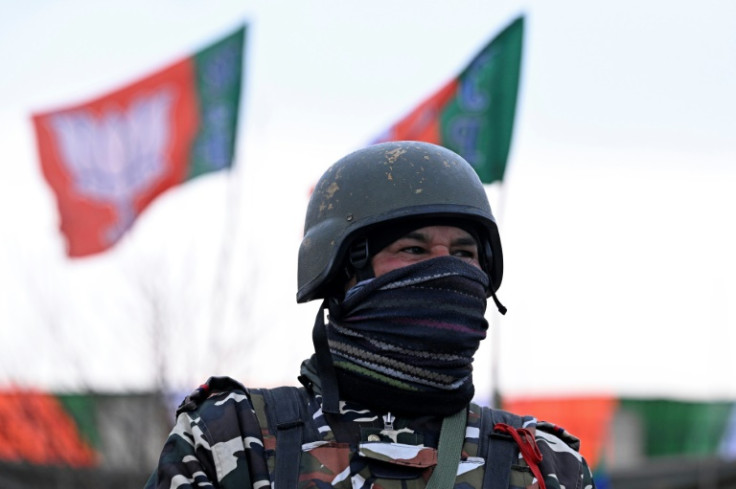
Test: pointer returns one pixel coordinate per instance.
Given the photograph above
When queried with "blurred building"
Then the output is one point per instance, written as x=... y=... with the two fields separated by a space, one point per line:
x=92 y=440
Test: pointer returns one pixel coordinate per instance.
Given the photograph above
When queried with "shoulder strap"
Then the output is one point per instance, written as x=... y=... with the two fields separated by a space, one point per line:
x=452 y=435
x=286 y=408
x=498 y=449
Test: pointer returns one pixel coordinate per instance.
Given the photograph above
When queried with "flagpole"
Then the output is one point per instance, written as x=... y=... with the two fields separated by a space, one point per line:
x=495 y=327
x=218 y=300
x=218 y=303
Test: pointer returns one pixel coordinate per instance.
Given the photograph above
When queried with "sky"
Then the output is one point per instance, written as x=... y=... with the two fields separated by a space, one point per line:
x=616 y=213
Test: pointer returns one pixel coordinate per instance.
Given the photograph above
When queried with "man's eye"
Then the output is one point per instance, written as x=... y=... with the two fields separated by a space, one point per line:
x=464 y=253
x=413 y=250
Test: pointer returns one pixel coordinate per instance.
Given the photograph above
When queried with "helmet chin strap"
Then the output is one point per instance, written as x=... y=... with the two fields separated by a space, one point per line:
x=501 y=308
x=325 y=368
x=487 y=254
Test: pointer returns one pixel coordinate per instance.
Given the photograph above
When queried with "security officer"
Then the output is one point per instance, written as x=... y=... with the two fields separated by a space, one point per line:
x=402 y=248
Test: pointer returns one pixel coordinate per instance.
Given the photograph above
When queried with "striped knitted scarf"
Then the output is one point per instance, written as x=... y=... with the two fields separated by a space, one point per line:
x=404 y=342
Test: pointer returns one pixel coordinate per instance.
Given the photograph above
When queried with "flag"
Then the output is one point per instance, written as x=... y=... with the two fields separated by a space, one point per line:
x=618 y=433
x=473 y=114
x=107 y=159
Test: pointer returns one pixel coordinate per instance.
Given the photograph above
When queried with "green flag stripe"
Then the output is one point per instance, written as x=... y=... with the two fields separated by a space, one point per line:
x=680 y=428
x=218 y=70
x=478 y=122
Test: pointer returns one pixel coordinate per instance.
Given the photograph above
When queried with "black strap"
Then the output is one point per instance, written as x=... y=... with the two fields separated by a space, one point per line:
x=325 y=368
x=285 y=408
x=498 y=449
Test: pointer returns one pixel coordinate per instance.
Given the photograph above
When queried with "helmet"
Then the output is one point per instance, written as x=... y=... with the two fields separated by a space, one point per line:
x=383 y=185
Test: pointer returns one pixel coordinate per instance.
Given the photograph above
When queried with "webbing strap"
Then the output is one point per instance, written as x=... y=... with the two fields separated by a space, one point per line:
x=452 y=436
x=325 y=367
x=529 y=449
x=498 y=449
x=283 y=409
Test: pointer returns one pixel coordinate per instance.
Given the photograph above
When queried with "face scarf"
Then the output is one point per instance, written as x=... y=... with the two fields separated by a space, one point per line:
x=404 y=342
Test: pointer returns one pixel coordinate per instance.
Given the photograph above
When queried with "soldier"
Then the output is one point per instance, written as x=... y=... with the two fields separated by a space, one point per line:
x=401 y=246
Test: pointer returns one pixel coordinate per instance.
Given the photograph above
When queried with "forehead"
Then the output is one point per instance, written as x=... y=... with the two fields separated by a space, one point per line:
x=440 y=232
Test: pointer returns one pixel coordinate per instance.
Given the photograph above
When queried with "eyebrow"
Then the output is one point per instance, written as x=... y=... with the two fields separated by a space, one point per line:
x=465 y=241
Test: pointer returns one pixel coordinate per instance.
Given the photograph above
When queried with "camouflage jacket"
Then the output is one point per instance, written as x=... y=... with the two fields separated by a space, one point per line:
x=224 y=438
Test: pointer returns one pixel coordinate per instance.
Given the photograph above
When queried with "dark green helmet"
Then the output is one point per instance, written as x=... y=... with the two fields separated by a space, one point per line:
x=386 y=184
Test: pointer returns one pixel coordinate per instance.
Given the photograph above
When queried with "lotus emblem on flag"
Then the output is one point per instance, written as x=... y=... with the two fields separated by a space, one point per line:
x=116 y=155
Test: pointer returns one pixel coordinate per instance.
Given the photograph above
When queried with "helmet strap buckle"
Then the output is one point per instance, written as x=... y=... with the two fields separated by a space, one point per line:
x=359 y=259
x=358 y=255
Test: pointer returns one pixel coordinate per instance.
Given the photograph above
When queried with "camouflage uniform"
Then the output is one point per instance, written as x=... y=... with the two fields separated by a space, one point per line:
x=222 y=438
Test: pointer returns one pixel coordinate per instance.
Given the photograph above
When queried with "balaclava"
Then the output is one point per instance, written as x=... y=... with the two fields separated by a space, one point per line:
x=404 y=342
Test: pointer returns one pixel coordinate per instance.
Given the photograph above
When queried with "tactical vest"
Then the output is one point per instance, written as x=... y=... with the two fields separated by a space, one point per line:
x=296 y=445
x=298 y=452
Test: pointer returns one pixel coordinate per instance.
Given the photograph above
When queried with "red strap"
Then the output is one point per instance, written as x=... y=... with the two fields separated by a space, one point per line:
x=528 y=446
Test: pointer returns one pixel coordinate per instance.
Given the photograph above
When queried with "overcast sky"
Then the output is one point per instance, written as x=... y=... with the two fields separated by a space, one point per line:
x=616 y=215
